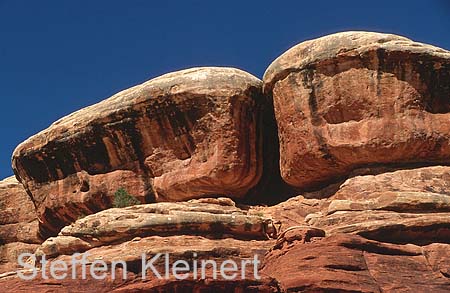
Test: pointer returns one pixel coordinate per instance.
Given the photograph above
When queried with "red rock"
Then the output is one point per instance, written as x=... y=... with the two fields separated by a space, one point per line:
x=399 y=206
x=216 y=218
x=18 y=224
x=291 y=212
x=365 y=111
x=355 y=99
x=213 y=229
x=438 y=257
x=348 y=263
x=178 y=247
x=10 y=252
x=183 y=135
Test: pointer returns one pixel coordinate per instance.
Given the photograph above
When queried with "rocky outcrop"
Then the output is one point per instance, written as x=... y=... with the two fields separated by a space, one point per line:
x=376 y=232
x=350 y=263
x=209 y=229
x=178 y=247
x=183 y=135
x=215 y=218
x=18 y=224
x=402 y=206
x=355 y=99
x=364 y=136
x=320 y=249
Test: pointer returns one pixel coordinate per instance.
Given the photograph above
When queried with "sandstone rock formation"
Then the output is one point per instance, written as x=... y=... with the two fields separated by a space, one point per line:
x=403 y=206
x=218 y=218
x=213 y=229
x=349 y=263
x=179 y=248
x=386 y=231
x=18 y=224
x=355 y=99
x=187 y=134
x=364 y=137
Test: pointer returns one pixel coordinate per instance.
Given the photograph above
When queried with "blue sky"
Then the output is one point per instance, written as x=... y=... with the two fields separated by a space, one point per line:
x=59 y=56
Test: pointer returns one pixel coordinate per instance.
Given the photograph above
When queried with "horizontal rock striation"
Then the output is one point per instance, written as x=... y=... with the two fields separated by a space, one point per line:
x=356 y=99
x=217 y=218
x=183 y=135
x=350 y=263
x=377 y=231
x=206 y=229
x=179 y=247
x=401 y=206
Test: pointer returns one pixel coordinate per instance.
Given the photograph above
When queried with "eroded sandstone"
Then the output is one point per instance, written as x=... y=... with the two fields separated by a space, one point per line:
x=18 y=224
x=350 y=263
x=356 y=99
x=214 y=218
x=183 y=135
x=205 y=229
x=398 y=206
x=366 y=112
x=180 y=247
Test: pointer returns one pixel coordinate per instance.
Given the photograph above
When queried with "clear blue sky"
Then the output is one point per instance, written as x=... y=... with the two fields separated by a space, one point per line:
x=59 y=56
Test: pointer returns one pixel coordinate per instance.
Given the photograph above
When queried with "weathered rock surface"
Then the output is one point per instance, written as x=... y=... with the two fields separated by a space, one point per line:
x=213 y=229
x=350 y=263
x=402 y=206
x=18 y=224
x=215 y=218
x=394 y=208
x=178 y=247
x=187 y=134
x=387 y=230
x=364 y=134
x=355 y=99
x=10 y=252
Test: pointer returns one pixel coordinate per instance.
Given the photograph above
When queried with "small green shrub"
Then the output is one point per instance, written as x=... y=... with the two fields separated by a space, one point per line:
x=81 y=216
x=123 y=199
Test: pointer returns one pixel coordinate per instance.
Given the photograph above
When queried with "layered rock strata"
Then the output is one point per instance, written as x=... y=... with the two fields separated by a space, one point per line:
x=210 y=229
x=350 y=263
x=218 y=218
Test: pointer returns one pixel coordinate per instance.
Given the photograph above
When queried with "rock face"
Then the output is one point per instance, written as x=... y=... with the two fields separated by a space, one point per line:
x=178 y=247
x=213 y=229
x=18 y=224
x=187 y=134
x=376 y=232
x=349 y=263
x=355 y=99
x=403 y=206
x=217 y=218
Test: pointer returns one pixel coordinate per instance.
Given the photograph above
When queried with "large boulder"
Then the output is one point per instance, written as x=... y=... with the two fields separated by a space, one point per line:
x=183 y=135
x=354 y=99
